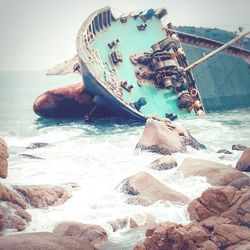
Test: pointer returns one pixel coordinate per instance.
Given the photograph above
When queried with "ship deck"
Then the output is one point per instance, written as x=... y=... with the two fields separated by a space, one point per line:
x=132 y=41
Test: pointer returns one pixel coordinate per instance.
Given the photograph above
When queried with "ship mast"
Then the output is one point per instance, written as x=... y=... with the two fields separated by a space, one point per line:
x=213 y=53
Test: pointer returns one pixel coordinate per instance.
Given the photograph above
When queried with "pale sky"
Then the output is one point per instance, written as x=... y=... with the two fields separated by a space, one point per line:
x=36 y=35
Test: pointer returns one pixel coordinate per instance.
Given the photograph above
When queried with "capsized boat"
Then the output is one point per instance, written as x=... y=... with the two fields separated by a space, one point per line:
x=137 y=68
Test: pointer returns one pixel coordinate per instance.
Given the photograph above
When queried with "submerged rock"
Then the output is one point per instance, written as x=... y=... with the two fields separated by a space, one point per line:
x=42 y=241
x=165 y=138
x=164 y=163
x=3 y=159
x=145 y=185
x=243 y=163
x=43 y=196
x=119 y=224
x=216 y=173
x=224 y=151
x=238 y=147
x=32 y=156
x=36 y=145
x=93 y=234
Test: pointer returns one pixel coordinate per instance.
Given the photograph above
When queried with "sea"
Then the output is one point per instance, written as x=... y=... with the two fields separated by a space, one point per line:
x=98 y=156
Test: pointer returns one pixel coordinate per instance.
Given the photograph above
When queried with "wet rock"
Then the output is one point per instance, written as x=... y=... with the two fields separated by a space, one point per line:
x=164 y=163
x=138 y=200
x=8 y=195
x=224 y=151
x=226 y=235
x=43 y=196
x=216 y=173
x=226 y=202
x=13 y=216
x=238 y=147
x=66 y=102
x=243 y=163
x=119 y=224
x=240 y=183
x=172 y=236
x=3 y=159
x=165 y=138
x=65 y=68
x=93 y=234
x=36 y=145
x=147 y=186
x=32 y=156
x=42 y=241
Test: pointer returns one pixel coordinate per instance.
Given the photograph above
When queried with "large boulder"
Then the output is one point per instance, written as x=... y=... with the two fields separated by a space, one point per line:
x=216 y=173
x=3 y=159
x=243 y=163
x=164 y=163
x=145 y=185
x=42 y=241
x=69 y=101
x=43 y=196
x=226 y=202
x=165 y=138
x=93 y=234
x=240 y=183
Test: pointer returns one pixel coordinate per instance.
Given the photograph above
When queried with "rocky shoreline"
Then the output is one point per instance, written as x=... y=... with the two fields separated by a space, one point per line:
x=220 y=217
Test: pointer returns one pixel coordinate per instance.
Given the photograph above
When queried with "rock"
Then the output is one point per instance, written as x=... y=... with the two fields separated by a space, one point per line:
x=243 y=245
x=3 y=159
x=147 y=186
x=32 y=156
x=163 y=163
x=238 y=147
x=65 y=68
x=119 y=224
x=8 y=195
x=224 y=151
x=43 y=196
x=172 y=236
x=243 y=163
x=226 y=202
x=164 y=138
x=225 y=235
x=93 y=234
x=36 y=145
x=240 y=183
x=70 y=101
x=42 y=241
x=13 y=216
x=216 y=173
x=139 y=200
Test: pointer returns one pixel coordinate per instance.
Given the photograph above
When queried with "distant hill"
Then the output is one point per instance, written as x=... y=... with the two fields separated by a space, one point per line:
x=215 y=34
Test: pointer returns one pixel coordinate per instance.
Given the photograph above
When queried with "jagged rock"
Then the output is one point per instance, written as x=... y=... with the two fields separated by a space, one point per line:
x=240 y=183
x=32 y=156
x=163 y=163
x=226 y=202
x=43 y=196
x=243 y=163
x=3 y=159
x=224 y=151
x=147 y=186
x=39 y=145
x=42 y=241
x=93 y=234
x=238 y=147
x=226 y=235
x=69 y=66
x=8 y=195
x=165 y=138
x=216 y=173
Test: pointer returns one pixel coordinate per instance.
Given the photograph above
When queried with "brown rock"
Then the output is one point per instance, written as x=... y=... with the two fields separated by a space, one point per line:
x=42 y=241
x=163 y=163
x=93 y=234
x=243 y=163
x=240 y=183
x=225 y=235
x=164 y=138
x=147 y=186
x=43 y=196
x=8 y=195
x=119 y=224
x=243 y=245
x=3 y=159
x=207 y=245
x=216 y=173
